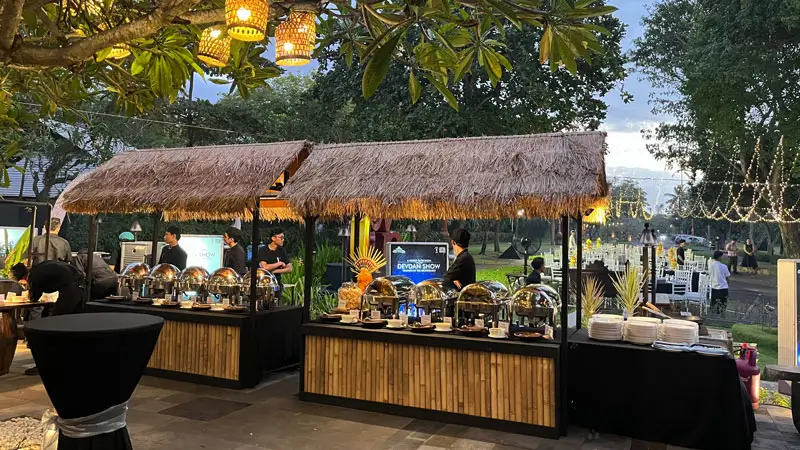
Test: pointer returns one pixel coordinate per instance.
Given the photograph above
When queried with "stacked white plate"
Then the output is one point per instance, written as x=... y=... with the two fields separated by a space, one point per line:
x=642 y=330
x=606 y=327
x=679 y=332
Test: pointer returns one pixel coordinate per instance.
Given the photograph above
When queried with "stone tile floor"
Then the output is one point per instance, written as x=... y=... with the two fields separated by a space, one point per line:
x=181 y=416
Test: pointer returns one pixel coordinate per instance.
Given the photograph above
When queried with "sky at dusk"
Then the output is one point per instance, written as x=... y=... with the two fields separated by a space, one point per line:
x=624 y=122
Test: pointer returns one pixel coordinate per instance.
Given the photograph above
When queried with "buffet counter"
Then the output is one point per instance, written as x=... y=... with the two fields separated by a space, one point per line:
x=679 y=398
x=218 y=348
x=500 y=384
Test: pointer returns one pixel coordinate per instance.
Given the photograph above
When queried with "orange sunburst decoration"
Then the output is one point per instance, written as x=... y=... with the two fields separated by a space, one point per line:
x=365 y=263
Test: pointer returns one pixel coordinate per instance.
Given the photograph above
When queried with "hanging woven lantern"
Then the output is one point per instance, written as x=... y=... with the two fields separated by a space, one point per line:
x=214 y=48
x=119 y=51
x=247 y=19
x=295 y=38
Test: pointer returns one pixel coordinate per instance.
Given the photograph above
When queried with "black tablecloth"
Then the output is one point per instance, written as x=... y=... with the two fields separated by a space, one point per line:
x=91 y=362
x=683 y=399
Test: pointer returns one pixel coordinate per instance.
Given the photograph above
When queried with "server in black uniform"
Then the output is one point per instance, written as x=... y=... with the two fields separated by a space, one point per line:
x=273 y=257
x=234 y=256
x=462 y=271
x=173 y=253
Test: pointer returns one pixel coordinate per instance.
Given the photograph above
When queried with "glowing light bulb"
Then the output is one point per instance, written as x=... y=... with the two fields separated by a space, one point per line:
x=243 y=14
x=288 y=46
x=215 y=33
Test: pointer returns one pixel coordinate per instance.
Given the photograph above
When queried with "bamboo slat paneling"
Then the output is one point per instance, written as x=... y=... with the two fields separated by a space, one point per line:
x=198 y=348
x=493 y=385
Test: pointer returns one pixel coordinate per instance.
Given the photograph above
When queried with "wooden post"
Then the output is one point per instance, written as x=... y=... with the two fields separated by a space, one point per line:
x=154 y=248
x=254 y=258
x=653 y=276
x=90 y=255
x=563 y=404
x=308 y=265
x=47 y=226
x=579 y=272
x=30 y=238
x=645 y=263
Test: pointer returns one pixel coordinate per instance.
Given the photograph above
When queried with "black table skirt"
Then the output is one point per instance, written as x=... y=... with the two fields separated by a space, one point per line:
x=682 y=399
x=91 y=362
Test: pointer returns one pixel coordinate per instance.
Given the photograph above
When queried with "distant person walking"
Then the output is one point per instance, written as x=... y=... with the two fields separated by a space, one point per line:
x=733 y=256
x=749 y=258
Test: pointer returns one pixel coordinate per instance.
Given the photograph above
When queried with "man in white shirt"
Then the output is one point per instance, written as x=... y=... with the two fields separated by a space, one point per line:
x=718 y=276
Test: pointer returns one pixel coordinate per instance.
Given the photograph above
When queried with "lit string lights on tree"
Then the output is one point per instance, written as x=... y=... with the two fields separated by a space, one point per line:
x=754 y=197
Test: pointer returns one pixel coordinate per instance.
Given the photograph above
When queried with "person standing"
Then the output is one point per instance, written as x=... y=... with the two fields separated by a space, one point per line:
x=749 y=259
x=234 y=256
x=173 y=253
x=58 y=248
x=462 y=272
x=275 y=259
x=681 y=253
x=733 y=256
x=718 y=274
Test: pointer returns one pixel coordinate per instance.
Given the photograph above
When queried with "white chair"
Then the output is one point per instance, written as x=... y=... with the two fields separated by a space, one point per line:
x=702 y=296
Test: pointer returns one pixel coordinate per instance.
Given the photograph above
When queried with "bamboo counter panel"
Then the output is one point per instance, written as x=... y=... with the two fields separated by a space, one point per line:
x=506 y=385
x=218 y=348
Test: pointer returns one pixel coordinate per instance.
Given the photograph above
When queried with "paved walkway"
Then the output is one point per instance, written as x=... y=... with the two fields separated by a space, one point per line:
x=172 y=415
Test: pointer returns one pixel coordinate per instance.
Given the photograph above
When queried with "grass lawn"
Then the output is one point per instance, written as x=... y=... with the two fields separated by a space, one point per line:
x=497 y=273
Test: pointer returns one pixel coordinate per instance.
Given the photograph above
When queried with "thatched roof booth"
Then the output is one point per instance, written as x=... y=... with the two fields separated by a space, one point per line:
x=546 y=175
x=196 y=183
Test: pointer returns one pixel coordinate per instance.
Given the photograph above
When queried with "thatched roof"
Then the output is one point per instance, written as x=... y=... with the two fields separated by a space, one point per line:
x=203 y=183
x=488 y=177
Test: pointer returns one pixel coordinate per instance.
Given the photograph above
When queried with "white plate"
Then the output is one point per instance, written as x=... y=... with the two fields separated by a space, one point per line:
x=498 y=337
x=397 y=328
x=442 y=331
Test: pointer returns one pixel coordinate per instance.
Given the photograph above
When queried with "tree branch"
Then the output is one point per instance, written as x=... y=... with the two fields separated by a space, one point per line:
x=9 y=21
x=166 y=12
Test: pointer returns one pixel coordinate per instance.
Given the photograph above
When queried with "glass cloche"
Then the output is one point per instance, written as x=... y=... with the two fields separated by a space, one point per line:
x=535 y=305
x=381 y=294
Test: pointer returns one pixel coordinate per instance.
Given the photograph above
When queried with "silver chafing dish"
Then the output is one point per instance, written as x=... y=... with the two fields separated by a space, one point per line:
x=387 y=294
x=134 y=277
x=429 y=298
x=225 y=282
x=193 y=280
x=162 y=280
x=265 y=286
x=475 y=301
x=536 y=304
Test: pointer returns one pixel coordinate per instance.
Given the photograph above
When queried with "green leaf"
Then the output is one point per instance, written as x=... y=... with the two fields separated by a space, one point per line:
x=507 y=11
x=585 y=13
x=464 y=64
x=219 y=81
x=103 y=54
x=448 y=95
x=545 y=45
x=378 y=66
x=136 y=67
x=414 y=87
x=388 y=19
x=375 y=43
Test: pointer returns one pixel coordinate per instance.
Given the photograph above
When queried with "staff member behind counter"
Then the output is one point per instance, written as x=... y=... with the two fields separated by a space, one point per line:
x=234 y=256
x=173 y=253
x=462 y=271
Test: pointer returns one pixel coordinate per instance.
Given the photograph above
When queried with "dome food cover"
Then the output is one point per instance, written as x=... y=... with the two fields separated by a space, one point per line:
x=476 y=298
x=426 y=291
x=264 y=280
x=223 y=277
x=381 y=287
x=193 y=276
x=537 y=302
x=136 y=271
x=164 y=276
x=498 y=289
x=402 y=285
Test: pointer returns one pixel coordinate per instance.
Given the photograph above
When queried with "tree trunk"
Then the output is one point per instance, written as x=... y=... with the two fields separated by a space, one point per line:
x=790 y=238
x=485 y=241
x=497 y=236
x=752 y=233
